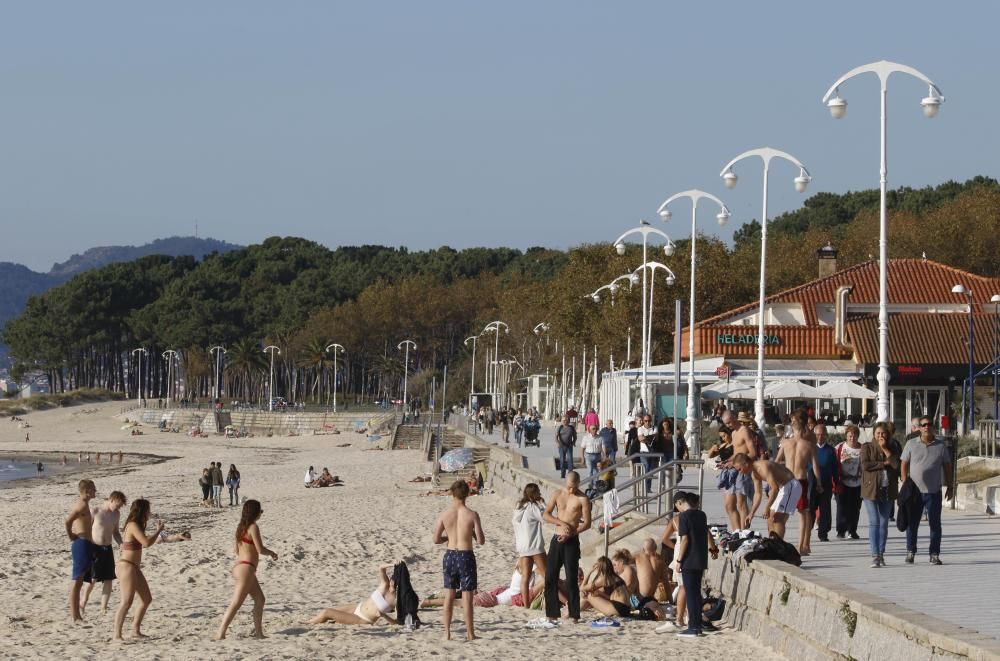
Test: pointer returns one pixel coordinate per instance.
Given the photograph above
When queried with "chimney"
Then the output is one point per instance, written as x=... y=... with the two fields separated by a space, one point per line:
x=827 y=260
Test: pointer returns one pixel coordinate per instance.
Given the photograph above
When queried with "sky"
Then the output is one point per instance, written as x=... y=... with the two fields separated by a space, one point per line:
x=431 y=123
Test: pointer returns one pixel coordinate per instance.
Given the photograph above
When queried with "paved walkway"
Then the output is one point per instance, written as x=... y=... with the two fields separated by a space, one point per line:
x=964 y=591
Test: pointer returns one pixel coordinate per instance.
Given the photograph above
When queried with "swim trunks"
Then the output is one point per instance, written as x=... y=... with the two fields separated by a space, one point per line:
x=743 y=486
x=803 y=503
x=104 y=563
x=789 y=497
x=83 y=559
x=459 y=569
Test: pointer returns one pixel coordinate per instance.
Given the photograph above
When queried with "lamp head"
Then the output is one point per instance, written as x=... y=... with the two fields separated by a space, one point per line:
x=596 y=297
x=620 y=248
x=802 y=181
x=730 y=179
x=634 y=278
x=723 y=216
x=960 y=289
x=671 y=279
x=837 y=106
x=669 y=249
x=931 y=104
x=613 y=288
x=995 y=298
x=665 y=215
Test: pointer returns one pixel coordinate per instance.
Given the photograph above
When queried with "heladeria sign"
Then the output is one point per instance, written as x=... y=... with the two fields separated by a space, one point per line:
x=725 y=338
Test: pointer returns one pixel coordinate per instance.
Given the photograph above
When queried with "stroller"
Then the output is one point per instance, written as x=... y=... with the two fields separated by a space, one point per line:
x=531 y=429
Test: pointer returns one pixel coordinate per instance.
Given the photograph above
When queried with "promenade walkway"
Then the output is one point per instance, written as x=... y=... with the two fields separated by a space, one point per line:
x=964 y=591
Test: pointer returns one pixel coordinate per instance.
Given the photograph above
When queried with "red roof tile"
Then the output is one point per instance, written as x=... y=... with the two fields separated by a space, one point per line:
x=925 y=338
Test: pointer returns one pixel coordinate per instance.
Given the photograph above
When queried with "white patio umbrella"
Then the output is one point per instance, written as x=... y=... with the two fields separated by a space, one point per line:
x=845 y=389
x=728 y=390
x=791 y=390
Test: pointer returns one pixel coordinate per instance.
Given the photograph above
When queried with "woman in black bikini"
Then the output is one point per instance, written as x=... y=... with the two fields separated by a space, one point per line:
x=130 y=576
x=606 y=591
x=249 y=548
x=723 y=452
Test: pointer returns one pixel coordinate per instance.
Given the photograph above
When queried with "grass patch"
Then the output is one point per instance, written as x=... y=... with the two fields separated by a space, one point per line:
x=10 y=407
x=849 y=618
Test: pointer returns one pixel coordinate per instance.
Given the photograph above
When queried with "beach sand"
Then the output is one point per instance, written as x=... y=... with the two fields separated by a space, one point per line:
x=329 y=543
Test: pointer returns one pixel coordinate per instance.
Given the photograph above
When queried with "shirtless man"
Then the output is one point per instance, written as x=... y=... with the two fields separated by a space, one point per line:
x=78 y=527
x=572 y=519
x=799 y=454
x=742 y=444
x=651 y=571
x=459 y=526
x=104 y=529
x=784 y=495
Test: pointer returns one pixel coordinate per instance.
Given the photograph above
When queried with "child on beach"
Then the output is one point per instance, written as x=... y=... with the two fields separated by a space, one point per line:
x=459 y=526
x=78 y=529
x=104 y=530
x=249 y=548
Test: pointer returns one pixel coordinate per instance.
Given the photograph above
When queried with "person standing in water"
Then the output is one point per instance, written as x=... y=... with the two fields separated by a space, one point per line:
x=249 y=548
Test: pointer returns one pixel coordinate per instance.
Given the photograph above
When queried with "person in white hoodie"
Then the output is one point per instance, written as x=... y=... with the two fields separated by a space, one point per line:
x=529 y=541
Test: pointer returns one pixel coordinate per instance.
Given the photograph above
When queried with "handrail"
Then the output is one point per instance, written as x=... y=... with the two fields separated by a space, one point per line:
x=622 y=462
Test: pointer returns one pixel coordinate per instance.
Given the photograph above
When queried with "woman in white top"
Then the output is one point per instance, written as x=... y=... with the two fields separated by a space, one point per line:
x=529 y=541
x=849 y=486
x=368 y=611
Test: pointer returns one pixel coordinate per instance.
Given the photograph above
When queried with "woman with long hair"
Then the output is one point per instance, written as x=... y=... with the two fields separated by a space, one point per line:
x=233 y=482
x=529 y=541
x=723 y=452
x=128 y=569
x=605 y=591
x=879 y=488
x=249 y=548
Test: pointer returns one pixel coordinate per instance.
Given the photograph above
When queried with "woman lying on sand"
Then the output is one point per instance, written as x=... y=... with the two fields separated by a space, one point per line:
x=381 y=602
x=249 y=548
x=501 y=595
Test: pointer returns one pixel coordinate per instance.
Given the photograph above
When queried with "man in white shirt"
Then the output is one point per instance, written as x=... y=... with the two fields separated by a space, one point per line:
x=593 y=449
x=310 y=477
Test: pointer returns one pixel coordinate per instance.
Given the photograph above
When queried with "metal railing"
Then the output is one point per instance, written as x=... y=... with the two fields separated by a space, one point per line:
x=641 y=499
x=989 y=437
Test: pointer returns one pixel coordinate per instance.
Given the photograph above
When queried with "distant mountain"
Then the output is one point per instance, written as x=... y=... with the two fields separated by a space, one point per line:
x=174 y=246
x=18 y=282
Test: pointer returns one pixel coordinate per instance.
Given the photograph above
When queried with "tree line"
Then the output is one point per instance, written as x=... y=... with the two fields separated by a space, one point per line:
x=300 y=296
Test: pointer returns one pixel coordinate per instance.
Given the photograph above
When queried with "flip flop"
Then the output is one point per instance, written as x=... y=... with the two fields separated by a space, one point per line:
x=606 y=622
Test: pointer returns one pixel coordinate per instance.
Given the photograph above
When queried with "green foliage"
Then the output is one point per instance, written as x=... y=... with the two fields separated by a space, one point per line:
x=849 y=618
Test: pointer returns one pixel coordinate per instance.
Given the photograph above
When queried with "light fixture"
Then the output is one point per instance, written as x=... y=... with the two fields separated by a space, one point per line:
x=634 y=278
x=620 y=248
x=665 y=215
x=931 y=103
x=613 y=288
x=671 y=279
x=596 y=297
x=730 y=179
x=837 y=106
x=669 y=249
x=723 y=216
x=959 y=289
x=995 y=298
x=802 y=181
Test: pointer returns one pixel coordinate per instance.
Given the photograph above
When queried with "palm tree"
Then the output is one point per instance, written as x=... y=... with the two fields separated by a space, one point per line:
x=246 y=360
x=313 y=356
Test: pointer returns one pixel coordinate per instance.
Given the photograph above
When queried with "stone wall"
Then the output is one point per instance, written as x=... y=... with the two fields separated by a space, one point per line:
x=808 y=617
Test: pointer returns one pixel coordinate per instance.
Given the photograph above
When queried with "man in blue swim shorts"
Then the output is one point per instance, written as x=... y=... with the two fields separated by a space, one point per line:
x=78 y=527
x=459 y=527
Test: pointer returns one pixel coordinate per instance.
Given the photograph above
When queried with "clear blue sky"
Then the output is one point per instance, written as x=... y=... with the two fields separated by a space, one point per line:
x=459 y=123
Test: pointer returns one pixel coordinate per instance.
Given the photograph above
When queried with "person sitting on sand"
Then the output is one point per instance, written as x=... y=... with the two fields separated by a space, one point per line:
x=326 y=480
x=605 y=591
x=172 y=537
x=310 y=477
x=368 y=611
x=249 y=548
x=501 y=595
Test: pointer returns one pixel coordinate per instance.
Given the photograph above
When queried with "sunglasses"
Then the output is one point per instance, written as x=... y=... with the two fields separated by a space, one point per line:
x=926 y=424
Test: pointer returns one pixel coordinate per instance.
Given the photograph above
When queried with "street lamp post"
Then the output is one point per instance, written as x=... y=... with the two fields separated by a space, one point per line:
x=406 y=366
x=336 y=348
x=969 y=418
x=218 y=351
x=472 y=381
x=670 y=280
x=668 y=249
x=494 y=327
x=693 y=419
x=995 y=300
x=169 y=355
x=270 y=376
x=838 y=108
x=138 y=374
x=730 y=179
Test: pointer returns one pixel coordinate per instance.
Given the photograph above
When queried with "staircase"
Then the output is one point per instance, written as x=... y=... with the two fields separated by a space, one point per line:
x=450 y=440
x=408 y=437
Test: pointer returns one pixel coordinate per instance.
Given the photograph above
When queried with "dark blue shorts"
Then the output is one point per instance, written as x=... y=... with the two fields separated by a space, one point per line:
x=459 y=569
x=83 y=559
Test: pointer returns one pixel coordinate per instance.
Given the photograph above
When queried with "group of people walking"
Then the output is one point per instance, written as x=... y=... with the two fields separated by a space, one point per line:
x=213 y=480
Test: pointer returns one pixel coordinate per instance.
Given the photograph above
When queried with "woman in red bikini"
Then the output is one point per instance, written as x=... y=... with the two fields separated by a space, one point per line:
x=130 y=576
x=249 y=548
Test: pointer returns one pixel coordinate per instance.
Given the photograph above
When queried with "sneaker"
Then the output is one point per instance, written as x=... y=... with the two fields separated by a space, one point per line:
x=881 y=560
x=840 y=535
x=876 y=562
x=910 y=555
x=824 y=538
x=667 y=627
x=936 y=560
x=689 y=633
x=542 y=623
x=709 y=628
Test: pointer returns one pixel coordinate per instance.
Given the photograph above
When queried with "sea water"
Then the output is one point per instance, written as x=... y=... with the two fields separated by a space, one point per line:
x=17 y=468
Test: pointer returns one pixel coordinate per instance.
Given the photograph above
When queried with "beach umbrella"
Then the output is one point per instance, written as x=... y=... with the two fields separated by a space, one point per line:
x=845 y=389
x=791 y=389
x=728 y=390
x=456 y=459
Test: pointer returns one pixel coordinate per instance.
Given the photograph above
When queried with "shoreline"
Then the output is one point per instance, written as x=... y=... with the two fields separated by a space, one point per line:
x=74 y=470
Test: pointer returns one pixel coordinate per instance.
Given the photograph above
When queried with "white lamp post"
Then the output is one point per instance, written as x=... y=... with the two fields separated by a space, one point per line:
x=218 y=351
x=693 y=418
x=995 y=300
x=336 y=348
x=138 y=374
x=969 y=418
x=494 y=327
x=270 y=376
x=730 y=179
x=406 y=365
x=169 y=355
x=645 y=230
x=670 y=280
x=838 y=108
x=472 y=382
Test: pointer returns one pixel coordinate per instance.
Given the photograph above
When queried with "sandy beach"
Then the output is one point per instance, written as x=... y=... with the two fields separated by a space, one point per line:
x=329 y=542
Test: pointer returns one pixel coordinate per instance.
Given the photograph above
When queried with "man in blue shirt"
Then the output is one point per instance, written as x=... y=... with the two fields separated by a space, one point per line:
x=826 y=459
x=609 y=437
